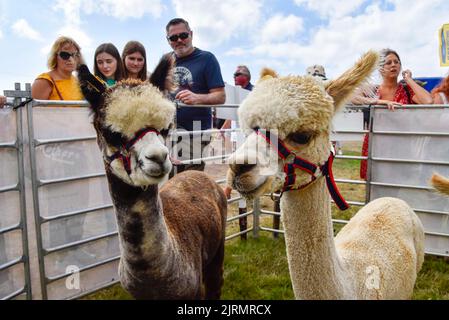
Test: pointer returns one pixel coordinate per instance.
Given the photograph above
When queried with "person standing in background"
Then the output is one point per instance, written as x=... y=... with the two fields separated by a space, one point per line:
x=107 y=64
x=199 y=81
x=134 y=59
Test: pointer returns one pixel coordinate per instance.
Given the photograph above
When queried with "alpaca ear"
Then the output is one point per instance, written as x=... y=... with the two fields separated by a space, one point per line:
x=162 y=76
x=91 y=86
x=342 y=88
x=267 y=73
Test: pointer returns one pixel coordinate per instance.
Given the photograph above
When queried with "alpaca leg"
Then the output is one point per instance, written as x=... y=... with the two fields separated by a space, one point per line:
x=213 y=277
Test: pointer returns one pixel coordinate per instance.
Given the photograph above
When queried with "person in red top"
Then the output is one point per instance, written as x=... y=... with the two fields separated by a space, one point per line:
x=391 y=92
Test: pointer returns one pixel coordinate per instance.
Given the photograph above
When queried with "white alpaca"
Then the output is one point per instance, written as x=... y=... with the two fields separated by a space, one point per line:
x=378 y=254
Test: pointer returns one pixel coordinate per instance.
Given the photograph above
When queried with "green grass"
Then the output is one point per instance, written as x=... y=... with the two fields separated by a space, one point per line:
x=257 y=268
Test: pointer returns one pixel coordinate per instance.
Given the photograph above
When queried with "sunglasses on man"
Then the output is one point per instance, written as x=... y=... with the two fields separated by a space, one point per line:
x=240 y=74
x=175 y=37
x=64 y=55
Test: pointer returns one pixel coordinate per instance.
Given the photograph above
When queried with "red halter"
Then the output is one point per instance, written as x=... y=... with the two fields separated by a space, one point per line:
x=123 y=153
x=316 y=171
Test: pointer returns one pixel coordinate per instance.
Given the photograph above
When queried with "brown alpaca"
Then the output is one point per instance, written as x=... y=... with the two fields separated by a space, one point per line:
x=172 y=239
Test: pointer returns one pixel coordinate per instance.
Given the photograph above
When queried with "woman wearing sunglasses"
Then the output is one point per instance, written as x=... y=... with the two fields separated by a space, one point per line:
x=108 y=64
x=135 y=61
x=59 y=83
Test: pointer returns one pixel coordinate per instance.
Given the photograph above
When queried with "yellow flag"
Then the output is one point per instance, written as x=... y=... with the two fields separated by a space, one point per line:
x=444 y=45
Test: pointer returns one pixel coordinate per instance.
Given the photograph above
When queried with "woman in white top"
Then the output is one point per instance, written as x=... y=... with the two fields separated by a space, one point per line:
x=440 y=93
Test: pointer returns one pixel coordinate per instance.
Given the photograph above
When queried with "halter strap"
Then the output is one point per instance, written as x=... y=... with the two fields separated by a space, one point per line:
x=314 y=170
x=123 y=153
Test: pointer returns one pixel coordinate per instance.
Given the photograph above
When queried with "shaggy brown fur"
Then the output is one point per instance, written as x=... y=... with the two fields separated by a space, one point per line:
x=172 y=241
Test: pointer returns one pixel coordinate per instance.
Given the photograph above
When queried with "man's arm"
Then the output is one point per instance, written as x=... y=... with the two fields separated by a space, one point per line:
x=215 y=96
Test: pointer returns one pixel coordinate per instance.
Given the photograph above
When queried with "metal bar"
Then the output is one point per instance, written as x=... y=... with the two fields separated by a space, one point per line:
x=239 y=216
x=102 y=287
x=91 y=266
x=431 y=211
x=11 y=263
x=351 y=157
x=396 y=185
x=350 y=131
x=370 y=155
x=65 y=103
x=256 y=221
x=205 y=159
x=10 y=188
x=52 y=141
x=272 y=230
x=436 y=234
x=75 y=213
x=350 y=181
x=198 y=132
x=412 y=133
x=22 y=197
x=70 y=179
x=273 y=213
x=437 y=253
x=239 y=233
x=34 y=186
x=414 y=106
x=9 y=229
x=15 y=293
x=80 y=242
x=232 y=200
x=340 y=221
x=9 y=145
x=410 y=161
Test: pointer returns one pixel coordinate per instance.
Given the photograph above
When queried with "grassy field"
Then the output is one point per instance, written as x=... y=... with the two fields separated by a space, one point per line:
x=257 y=268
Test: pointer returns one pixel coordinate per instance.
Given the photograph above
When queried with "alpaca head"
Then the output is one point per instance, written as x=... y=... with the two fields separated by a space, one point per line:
x=296 y=111
x=131 y=120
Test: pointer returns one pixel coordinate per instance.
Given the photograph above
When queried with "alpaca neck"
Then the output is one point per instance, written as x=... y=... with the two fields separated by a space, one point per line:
x=145 y=242
x=315 y=268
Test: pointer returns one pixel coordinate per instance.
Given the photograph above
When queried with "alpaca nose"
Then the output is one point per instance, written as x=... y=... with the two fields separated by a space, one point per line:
x=239 y=169
x=159 y=158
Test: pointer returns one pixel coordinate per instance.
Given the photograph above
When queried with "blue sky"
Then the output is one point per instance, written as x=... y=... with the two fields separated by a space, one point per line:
x=287 y=35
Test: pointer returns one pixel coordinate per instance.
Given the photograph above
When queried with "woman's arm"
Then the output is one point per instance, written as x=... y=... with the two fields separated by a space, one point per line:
x=422 y=96
x=41 y=89
x=437 y=99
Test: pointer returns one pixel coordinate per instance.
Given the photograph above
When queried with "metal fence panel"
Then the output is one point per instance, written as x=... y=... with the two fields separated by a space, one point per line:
x=406 y=151
x=14 y=255
x=76 y=222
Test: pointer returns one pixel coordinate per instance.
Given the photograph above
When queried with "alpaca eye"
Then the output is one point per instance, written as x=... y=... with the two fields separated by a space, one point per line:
x=300 y=138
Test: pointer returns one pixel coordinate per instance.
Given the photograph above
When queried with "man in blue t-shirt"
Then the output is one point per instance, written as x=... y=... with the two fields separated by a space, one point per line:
x=199 y=81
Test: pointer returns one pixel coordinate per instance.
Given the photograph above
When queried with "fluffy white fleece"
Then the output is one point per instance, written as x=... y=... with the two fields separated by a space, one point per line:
x=287 y=104
x=130 y=109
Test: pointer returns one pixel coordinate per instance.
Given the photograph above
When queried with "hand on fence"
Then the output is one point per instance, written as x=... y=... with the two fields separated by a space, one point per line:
x=175 y=161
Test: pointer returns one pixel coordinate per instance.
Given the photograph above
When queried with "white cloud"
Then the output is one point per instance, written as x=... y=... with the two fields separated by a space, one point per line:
x=279 y=28
x=339 y=42
x=328 y=8
x=123 y=9
x=1 y=34
x=22 y=29
x=215 y=21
